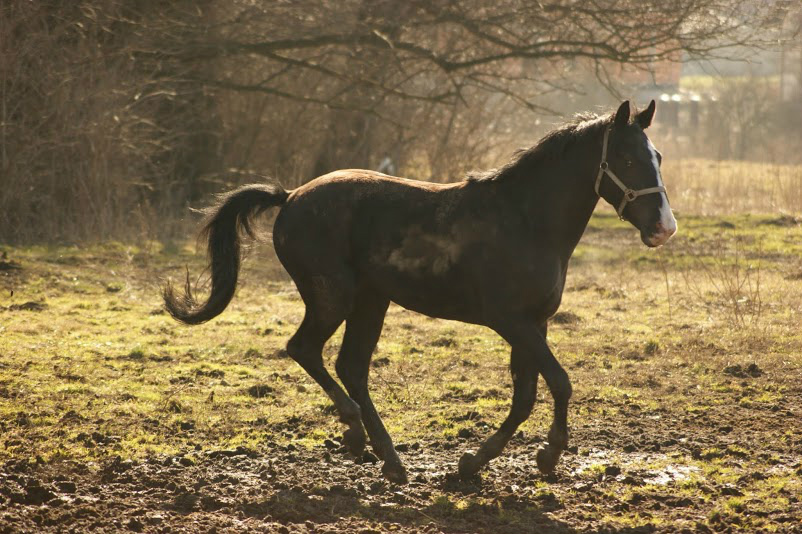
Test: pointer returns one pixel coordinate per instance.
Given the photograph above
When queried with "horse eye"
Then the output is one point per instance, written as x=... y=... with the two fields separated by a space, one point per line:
x=629 y=163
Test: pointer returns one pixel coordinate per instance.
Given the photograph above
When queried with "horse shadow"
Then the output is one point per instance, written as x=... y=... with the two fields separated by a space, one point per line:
x=461 y=508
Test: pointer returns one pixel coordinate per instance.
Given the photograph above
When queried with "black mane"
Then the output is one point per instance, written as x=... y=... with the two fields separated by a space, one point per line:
x=552 y=145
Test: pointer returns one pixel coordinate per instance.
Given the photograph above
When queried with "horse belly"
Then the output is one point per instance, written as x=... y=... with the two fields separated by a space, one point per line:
x=434 y=297
x=428 y=277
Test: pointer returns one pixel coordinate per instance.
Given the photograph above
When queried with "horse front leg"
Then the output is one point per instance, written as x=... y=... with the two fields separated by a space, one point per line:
x=530 y=355
x=561 y=389
x=524 y=380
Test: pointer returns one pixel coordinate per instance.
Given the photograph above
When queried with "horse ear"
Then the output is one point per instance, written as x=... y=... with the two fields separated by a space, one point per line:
x=645 y=117
x=622 y=115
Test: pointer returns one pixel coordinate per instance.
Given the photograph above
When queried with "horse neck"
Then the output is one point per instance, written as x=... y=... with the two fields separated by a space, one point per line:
x=560 y=199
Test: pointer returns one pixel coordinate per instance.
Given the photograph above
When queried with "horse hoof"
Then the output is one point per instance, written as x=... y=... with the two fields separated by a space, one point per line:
x=395 y=473
x=547 y=460
x=354 y=441
x=468 y=466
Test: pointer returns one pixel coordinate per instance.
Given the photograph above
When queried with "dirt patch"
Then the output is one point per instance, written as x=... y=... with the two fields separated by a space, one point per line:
x=783 y=221
x=565 y=318
x=28 y=306
x=443 y=342
x=7 y=265
x=259 y=391
x=749 y=371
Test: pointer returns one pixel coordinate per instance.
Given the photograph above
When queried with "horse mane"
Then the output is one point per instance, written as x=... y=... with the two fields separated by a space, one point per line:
x=551 y=146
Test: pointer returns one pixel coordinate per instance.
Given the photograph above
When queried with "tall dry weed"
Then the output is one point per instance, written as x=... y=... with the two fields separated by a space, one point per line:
x=725 y=275
x=708 y=187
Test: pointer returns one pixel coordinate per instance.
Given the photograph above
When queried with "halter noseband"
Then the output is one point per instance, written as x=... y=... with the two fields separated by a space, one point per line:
x=629 y=194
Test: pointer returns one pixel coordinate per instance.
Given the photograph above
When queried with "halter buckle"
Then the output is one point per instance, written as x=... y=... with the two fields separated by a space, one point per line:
x=630 y=195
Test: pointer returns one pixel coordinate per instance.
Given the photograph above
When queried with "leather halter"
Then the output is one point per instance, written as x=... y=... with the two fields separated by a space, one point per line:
x=629 y=194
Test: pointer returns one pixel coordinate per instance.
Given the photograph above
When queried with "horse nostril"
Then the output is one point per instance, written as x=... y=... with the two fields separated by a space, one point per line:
x=663 y=230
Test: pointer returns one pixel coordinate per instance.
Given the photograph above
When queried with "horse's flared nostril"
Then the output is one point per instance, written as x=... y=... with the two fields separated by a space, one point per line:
x=667 y=232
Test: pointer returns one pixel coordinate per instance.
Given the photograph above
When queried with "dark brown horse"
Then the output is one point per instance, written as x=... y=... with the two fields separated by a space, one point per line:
x=491 y=250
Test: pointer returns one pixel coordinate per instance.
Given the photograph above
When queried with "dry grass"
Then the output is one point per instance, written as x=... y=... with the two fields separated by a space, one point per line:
x=709 y=187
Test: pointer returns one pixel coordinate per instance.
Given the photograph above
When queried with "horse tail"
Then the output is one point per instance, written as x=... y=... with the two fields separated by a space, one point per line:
x=226 y=221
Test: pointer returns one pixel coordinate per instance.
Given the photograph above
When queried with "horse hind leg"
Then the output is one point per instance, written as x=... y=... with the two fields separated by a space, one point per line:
x=306 y=348
x=362 y=330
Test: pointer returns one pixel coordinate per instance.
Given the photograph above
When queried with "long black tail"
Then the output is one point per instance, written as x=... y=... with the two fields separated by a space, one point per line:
x=233 y=215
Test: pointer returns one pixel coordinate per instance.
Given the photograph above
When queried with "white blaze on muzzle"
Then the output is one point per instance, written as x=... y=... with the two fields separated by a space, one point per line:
x=668 y=224
x=629 y=194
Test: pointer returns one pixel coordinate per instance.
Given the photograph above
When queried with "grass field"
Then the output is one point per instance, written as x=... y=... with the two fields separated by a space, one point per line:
x=686 y=412
x=709 y=187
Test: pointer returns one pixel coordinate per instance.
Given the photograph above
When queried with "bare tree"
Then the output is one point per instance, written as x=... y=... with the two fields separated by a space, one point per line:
x=360 y=54
x=389 y=60
x=114 y=113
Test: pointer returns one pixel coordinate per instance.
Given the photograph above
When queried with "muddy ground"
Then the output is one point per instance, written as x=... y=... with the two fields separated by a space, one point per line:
x=293 y=489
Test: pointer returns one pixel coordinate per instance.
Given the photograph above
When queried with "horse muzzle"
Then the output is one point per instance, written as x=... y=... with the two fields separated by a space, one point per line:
x=659 y=236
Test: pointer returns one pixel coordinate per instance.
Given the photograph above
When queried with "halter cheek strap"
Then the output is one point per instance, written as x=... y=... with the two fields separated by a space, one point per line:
x=629 y=194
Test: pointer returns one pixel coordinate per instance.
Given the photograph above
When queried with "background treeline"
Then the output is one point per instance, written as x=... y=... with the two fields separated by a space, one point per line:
x=116 y=116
